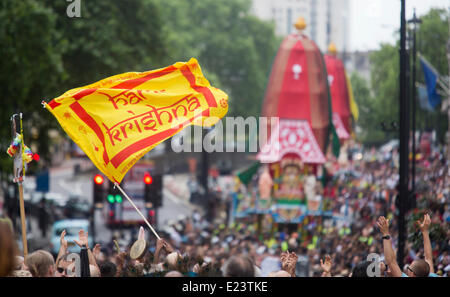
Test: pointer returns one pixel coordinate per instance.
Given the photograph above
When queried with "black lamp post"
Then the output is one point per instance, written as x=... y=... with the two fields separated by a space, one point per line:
x=404 y=138
x=414 y=21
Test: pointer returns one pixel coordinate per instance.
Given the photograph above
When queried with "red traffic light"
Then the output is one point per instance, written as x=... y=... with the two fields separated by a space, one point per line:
x=147 y=179
x=98 y=179
x=36 y=157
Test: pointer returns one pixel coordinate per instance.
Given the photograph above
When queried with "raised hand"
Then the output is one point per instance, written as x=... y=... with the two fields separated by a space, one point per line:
x=383 y=225
x=62 y=240
x=169 y=249
x=326 y=265
x=288 y=262
x=425 y=224
x=96 y=251
x=159 y=244
x=82 y=238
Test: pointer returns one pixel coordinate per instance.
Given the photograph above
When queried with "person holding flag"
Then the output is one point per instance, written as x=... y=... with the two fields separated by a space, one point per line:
x=119 y=119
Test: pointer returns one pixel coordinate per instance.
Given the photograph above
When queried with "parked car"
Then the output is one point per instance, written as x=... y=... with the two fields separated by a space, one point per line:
x=72 y=228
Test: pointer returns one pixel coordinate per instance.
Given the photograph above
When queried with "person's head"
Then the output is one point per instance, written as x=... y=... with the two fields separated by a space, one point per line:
x=19 y=263
x=418 y=268
x=108 y=269
x=239 y=266
x=8 y=249
x=280 y=273
x=61 y=266
x=172 y=259
x=40 y=263
x=360 y=269
x=21 y=273
x=174 y=273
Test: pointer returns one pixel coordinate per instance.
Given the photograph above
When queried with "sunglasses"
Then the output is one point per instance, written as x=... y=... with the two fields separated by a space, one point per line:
x=409 y=268
x=60 y=269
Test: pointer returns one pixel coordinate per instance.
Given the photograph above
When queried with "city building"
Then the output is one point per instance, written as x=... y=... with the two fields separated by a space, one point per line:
x=359 y=62
x=327 y=20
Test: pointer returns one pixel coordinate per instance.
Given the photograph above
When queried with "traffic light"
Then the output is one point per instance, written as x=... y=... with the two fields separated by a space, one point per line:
x=114 y=195
x=151 y=217
x=98 y=190
x=153 y=190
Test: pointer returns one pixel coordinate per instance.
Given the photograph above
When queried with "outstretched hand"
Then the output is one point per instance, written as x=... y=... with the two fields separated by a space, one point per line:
x=425 y=224
x=82 y=238
x=383 y=225
x=326 y=265
x=169 y=249
x=62 y=240
x=96 y=251
x=288 y=262
x=163 y=244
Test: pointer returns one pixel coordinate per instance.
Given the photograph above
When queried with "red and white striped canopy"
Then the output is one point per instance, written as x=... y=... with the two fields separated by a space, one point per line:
x=292 y=136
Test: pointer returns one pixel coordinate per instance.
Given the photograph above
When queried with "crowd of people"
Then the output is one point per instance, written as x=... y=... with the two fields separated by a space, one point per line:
x=363 y=196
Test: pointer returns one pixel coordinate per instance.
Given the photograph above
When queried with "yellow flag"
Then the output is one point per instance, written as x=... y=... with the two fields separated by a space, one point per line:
x=119 y=119
x=353 y=106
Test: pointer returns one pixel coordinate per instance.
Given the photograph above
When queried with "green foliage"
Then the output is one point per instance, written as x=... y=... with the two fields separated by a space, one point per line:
x=432 y=38
x=45 y=52
x=438 y=233
x=371 y=133
x=31 y=67
x=109 y=38
x=382 y=103
x=231 y=46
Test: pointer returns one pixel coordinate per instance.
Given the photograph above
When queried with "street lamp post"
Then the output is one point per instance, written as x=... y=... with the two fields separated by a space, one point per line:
x=404 y=137
x=448 y=97
x=414 y=21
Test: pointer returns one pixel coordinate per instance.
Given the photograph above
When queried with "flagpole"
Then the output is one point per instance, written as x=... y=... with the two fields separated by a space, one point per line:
x=137 y=209
x=22 y=219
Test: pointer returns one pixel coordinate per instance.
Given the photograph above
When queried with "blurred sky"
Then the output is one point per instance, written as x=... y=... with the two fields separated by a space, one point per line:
x=375 y=21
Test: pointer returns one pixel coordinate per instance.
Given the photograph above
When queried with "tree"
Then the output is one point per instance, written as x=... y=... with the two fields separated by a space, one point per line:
x=234 y=48
x=109 y=38
x=45 y=53
x=432 y=37
x=371 y=133
x=31 y=67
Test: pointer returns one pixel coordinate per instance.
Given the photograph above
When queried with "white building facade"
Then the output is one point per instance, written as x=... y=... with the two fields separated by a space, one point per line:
x=327 y=20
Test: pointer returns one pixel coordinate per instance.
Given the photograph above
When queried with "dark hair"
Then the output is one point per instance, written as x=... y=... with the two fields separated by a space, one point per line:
x=210 y=270
x=108 y=269
x=8 y=248
x=360 y=270
x=421 y=268
x=239 y=266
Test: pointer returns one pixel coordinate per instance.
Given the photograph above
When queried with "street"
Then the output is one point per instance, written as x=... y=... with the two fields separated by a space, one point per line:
x=65 y=184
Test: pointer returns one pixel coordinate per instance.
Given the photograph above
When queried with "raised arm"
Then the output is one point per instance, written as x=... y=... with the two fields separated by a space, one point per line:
x=83 y=243
x=326 y=266
x=159 y=246
x=288 y=262
x=389 y=253
x=424 y=228
x=62 y=246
